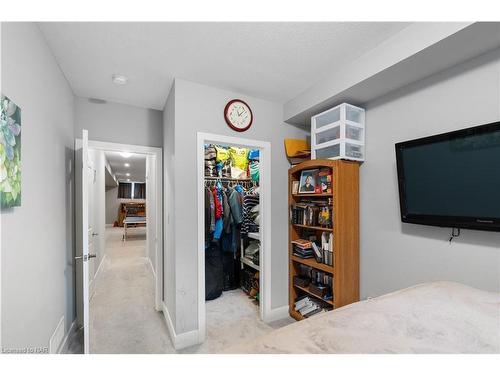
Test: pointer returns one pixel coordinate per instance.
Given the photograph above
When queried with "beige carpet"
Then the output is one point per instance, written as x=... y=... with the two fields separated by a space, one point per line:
x=123 y=318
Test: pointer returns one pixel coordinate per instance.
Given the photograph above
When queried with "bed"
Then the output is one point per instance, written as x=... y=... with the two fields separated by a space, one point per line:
x=132 y=222
x=438 y=317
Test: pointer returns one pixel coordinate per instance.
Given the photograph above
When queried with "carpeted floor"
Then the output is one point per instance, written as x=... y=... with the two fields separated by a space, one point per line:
x=123 y=318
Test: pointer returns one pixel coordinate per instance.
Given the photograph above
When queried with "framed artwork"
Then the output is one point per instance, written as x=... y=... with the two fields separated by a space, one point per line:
x=295 y=187
x=10 y=153
x=308 y=181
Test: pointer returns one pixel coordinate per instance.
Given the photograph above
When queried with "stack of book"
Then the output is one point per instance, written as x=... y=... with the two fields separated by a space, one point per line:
x=312 y=213
x=308 y=306
x=303 y=249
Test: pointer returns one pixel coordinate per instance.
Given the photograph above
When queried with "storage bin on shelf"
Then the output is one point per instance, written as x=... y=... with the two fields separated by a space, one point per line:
x=339 y=133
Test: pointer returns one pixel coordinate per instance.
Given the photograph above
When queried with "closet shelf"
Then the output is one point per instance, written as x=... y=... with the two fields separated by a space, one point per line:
x=249 y=263
x=254 y=235
x=226 y=178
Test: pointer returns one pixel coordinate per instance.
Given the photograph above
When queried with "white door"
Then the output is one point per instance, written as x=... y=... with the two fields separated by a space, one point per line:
x=151 y=220
x=83 y=176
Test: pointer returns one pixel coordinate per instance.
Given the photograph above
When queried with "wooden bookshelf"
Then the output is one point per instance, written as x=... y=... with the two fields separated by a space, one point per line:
x=313 y=195
x=313 y=263
x=345 y=206
x=330 y=302
x=324 y=229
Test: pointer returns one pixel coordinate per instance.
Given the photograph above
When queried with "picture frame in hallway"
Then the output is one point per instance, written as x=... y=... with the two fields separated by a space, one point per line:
x=10 y=153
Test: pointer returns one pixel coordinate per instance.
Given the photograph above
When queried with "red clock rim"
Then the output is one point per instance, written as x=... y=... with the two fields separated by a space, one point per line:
x=229 y=122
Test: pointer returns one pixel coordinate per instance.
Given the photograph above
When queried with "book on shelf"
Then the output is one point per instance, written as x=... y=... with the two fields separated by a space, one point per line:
x=303 y=244
x=317 y=311
x=324 y=185
x=318 y=254
x=308 y=306
x=303 y=253
x=302 y=303
x=312 y=213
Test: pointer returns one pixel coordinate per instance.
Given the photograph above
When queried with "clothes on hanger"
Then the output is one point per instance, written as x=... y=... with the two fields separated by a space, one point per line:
x=250 y=200
x=231 y=211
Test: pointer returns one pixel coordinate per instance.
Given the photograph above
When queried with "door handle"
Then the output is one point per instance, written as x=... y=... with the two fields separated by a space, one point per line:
x=95 y=234
x=85 y=257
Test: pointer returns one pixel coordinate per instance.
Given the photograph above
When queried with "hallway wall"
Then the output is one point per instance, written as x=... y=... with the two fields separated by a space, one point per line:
x=112 y=205
x=118 y=123
x=37 y=237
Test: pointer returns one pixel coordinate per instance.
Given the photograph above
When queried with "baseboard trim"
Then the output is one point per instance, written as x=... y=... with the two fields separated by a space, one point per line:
x=277 y=314
x=64 y=346
x=182 y=340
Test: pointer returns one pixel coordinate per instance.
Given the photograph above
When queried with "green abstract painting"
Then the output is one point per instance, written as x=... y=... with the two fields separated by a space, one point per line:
x=10 y=153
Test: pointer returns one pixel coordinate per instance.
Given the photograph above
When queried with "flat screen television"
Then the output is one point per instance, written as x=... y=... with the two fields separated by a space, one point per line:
x=452 y=179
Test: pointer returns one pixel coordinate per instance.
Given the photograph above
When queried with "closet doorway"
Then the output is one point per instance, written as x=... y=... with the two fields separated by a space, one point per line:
x=263 y=187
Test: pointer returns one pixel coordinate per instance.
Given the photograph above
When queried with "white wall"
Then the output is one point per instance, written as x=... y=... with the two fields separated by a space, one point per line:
x=112 y=205
x=37 y=238
x=118 y=123
x=199 y=108
x=396 y=255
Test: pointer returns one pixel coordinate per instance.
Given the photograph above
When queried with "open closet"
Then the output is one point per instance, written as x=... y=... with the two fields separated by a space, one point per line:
x=232 y=217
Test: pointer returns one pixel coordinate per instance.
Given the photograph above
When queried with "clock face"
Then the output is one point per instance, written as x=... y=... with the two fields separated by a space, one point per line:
x=238 y=115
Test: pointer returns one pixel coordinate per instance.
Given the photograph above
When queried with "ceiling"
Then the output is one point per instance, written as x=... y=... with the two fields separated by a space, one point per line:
x=137 y=168
x=274 y=61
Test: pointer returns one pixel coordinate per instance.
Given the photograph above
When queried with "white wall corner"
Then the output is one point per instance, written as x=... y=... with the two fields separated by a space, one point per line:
x=182 y=340
x=276 y=314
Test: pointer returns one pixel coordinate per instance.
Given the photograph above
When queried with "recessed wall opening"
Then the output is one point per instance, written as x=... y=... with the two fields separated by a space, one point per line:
x=234 y=233
x=123 y=191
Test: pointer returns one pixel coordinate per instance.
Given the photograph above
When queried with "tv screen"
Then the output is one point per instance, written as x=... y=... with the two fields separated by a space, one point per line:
x=451 y=179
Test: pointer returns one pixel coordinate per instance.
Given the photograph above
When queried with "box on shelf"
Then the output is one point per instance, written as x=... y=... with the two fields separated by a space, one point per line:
x=339 y=133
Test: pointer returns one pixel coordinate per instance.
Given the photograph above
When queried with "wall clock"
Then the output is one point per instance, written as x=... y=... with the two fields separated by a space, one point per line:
x=238 y=115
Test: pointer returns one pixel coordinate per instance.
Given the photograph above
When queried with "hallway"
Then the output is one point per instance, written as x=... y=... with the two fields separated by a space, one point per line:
x=122 y=314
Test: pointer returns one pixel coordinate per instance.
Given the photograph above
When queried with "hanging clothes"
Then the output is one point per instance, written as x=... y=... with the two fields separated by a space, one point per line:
x=210 y=160
x=250 y=200
x=219 y=222
x=253 y=160
x=236 y=204
x=231 y=211
x=208 y=212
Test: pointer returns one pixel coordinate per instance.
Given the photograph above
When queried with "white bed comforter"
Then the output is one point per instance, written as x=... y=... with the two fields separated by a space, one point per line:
x=438 y=317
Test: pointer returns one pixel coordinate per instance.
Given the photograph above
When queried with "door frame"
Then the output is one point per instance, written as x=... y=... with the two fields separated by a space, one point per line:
x=265 y=227
x=157 y=153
